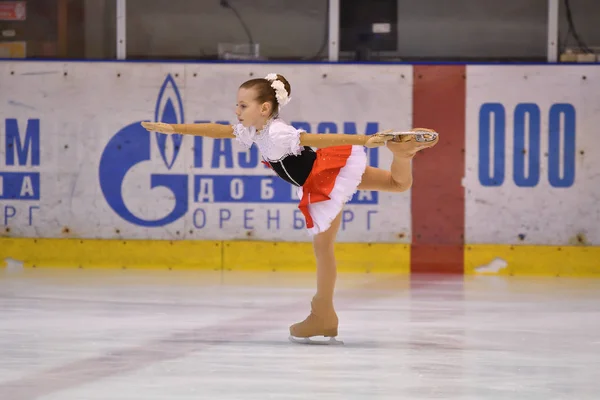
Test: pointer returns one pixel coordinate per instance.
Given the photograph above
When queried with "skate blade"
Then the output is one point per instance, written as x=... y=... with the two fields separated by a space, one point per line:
x=420 y=135
x=317 y=340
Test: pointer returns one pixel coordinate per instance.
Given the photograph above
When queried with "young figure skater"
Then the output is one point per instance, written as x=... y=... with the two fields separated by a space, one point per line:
x=326 y=178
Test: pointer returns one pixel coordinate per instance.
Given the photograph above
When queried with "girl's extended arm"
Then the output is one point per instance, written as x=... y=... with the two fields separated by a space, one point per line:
x=217 y=131
x=321 y=140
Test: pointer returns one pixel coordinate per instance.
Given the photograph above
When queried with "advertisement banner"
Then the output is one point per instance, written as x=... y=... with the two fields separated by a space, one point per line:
x=75 y=161
x=533 y=155
x=13 y=10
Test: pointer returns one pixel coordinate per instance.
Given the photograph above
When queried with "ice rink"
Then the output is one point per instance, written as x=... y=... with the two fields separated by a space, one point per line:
x=81 y=334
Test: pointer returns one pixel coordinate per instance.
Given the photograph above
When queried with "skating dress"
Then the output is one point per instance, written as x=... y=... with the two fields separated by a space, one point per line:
x=326 y=178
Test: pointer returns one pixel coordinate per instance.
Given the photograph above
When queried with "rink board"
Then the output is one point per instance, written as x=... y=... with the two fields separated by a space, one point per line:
x=519 y=260
x=532 y=181
x=528 y=260
x=531 y=160
x=78 y=164
x=532 y=155
x=200 y=255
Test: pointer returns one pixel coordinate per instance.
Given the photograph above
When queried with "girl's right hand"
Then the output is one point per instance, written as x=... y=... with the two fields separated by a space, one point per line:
x=159 y=127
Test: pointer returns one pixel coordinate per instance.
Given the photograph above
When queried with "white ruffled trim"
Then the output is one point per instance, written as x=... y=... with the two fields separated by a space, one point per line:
x=276 y=138
x=243 y=135
x=346 y=185
x=282 y=137
x=265 y=129
x=295 y=143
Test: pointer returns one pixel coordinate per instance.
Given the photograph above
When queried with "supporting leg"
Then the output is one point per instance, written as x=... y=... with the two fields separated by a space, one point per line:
x=323 y=320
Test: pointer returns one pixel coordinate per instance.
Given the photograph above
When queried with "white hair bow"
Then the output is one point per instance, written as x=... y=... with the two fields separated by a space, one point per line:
x=281 y=94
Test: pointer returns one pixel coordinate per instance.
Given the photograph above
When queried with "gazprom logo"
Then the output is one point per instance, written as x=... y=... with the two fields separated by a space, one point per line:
x=169 y=109
x=223 y=182
x=132 y=145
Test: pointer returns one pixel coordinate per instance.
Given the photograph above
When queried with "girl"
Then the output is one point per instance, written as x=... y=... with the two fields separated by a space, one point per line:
x=326 y=178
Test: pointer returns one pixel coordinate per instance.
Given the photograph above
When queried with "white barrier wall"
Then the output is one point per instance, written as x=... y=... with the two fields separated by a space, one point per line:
x=75 y=161
x=533 y=155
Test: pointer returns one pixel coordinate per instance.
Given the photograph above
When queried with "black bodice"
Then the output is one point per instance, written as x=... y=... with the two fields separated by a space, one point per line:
x=295 y=169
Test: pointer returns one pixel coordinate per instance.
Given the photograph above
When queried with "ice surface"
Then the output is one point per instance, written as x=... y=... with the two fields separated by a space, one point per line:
x=78 y=334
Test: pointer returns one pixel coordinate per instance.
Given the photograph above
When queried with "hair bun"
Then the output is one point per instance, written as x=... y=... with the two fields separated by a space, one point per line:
x=279 y=83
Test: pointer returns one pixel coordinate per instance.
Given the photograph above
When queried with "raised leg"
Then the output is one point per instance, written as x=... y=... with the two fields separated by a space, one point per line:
x=399 y=177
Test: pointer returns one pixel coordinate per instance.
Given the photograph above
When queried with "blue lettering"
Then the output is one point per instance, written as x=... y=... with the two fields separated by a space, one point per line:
x=529 y=151
x=7 y=216
x=222 y=148
x=202 y=213
x=269 y=219
x=31 y=208
x=369 y=213
x=372 y=127
x=567 y=112
x=218 y=151
x=29 y=148
x=327 y=127
x=252 y=189
x=248 y=159
x=20 y=185
x=248 y=218
x=527 y=156
x=224 y=215
x=347 y=216
x=298 y=220
x=495 y=176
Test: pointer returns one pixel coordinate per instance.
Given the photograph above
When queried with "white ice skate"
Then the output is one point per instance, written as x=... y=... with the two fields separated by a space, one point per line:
x=421 y=135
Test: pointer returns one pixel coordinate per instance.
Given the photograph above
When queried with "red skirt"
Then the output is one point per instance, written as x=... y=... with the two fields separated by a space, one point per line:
x=334 y=179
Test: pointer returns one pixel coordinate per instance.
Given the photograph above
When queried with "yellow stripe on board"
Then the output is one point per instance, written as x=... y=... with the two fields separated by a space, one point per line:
x=480 y=259
x=114 y=254
x=285 y=256
x=572 y=261
x=201 y=255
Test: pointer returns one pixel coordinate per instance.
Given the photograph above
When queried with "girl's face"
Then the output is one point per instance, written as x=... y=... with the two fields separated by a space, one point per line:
x=249 y=111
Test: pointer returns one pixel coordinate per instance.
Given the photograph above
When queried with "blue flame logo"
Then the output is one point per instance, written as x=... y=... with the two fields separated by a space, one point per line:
x=131 y=146
x=170 y=113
